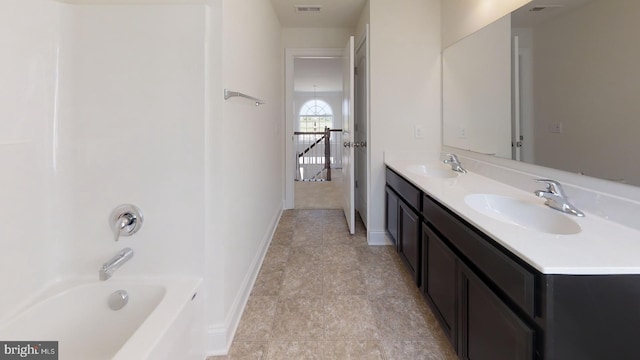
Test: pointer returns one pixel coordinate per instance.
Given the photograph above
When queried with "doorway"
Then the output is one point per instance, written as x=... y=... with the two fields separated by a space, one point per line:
x=313 y=114
x=302 y=194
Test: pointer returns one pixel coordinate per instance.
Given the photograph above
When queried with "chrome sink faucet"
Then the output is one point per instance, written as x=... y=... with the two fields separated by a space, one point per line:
x=556 y=198
x=452 y=160
x=108 y=268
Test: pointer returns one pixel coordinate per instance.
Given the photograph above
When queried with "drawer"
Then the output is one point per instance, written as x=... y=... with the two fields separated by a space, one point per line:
x=514 y=280
x=408 y=192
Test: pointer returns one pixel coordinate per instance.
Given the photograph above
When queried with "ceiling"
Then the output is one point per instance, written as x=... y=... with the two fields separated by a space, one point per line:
x=524 y=17
x=333 y=13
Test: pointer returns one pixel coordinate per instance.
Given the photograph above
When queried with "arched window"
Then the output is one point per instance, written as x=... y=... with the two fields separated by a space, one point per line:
x=315 y=115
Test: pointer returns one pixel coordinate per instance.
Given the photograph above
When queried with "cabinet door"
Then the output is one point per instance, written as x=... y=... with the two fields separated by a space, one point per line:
x=439 y=283
x=392 y=214
x=489 y=330
x=409 y=239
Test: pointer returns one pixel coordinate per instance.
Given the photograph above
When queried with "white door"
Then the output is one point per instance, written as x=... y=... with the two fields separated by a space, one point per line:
x=361 y=128
x=347 y=136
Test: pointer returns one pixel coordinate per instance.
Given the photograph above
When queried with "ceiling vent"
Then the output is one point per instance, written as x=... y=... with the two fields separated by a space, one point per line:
x=307 y=8
x=545 y=7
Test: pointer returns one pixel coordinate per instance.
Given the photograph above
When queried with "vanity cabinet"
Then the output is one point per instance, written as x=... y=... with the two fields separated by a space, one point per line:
x=403 y=220
x=489 y=329
x=439 y=280
x=392 y=200
x=409 y=238
x=492 y=305
x=475 y=289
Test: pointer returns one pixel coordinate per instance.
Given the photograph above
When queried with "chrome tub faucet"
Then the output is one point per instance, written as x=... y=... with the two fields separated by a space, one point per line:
x=108 y=268
x=452 y=160
x=556 y=198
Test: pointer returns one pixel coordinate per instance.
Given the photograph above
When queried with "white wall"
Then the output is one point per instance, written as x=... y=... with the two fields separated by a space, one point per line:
x=586 y=78
x=476 y=104
x=28 y=251
x=363 y=21
x=405 y=88
x=461 y=18
x=315 y=37
x=246 y=160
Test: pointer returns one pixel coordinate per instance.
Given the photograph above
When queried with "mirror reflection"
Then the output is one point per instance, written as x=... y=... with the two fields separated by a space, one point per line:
x=554 y=85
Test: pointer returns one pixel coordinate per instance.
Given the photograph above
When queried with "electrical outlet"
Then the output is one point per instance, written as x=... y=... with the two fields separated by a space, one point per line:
x=418 y=131
x=555 y=127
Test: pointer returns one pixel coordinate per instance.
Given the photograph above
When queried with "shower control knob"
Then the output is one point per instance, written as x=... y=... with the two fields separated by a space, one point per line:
x=125 y=220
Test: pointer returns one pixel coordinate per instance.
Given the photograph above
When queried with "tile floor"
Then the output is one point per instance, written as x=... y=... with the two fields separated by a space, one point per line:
x=324 y=294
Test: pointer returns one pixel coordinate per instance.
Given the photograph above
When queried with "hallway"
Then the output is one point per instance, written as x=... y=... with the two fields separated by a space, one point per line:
x=324 y=294
x=320 y=195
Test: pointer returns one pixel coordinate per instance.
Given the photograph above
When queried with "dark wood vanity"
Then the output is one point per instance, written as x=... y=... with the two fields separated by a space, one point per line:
x=492 y=305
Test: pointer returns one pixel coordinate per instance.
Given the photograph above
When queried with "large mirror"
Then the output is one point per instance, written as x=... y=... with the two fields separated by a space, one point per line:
x=553 y=85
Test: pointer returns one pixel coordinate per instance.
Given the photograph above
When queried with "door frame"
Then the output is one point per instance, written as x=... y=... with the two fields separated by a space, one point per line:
x=289 y=162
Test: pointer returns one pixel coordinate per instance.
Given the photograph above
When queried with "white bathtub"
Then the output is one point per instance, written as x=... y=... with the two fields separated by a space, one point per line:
x=155 y=323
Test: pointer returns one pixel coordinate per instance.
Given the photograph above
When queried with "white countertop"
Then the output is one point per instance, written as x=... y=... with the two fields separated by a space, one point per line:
x=601 y=247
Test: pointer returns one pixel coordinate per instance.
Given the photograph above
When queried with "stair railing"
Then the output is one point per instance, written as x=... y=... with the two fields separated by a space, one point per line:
x=314 y=155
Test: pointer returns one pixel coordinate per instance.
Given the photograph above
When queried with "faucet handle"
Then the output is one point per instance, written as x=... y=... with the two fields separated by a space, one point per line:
x=553 y=186
x=451 y=158
x=125 y=220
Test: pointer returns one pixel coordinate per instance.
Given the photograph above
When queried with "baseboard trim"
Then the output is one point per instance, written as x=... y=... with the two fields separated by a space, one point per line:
x=378 y=238
x=219 y=338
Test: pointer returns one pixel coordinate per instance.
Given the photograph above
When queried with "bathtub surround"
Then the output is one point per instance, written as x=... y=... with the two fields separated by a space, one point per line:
x=28 y=67
x=104 y=104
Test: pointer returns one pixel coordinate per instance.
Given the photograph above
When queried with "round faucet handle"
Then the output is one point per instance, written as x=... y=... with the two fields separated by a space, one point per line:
x=126 y=220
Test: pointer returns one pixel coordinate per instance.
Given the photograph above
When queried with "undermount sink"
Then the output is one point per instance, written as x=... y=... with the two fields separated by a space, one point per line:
x=529 y=215
x=435 y=170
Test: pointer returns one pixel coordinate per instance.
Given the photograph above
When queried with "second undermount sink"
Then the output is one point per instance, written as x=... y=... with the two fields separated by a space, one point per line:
x=435 y=170
x=529 y=215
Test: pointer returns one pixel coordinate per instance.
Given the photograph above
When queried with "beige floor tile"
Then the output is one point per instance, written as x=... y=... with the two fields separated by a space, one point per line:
x=325 y=294
x=268 y=283
x=362 y=350
x=305 y=216
x=349 y=317
x=302 y=281
x=385 y=281
x=343 y=238
x=309 y=236
x=399 y=318
x=282 y=237
x=298 y=350
x=350 y=282
x=302 y=256
x=370 y=256
x=245 y=350
x=340 y=257
x=299 y=319
x=418 y=350
x=258 y=318
x=276 y=258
